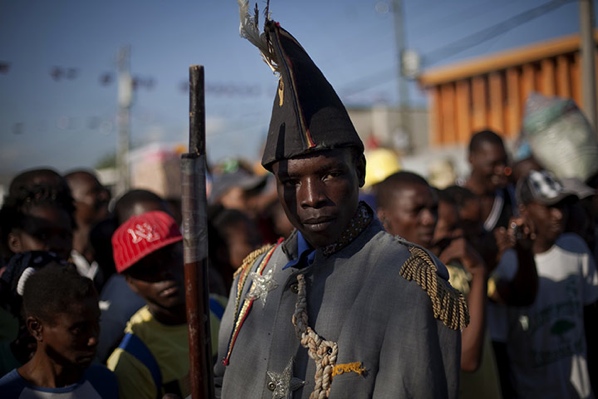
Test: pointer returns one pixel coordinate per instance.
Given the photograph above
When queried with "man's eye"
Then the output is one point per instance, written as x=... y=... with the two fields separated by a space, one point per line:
x=332 y=175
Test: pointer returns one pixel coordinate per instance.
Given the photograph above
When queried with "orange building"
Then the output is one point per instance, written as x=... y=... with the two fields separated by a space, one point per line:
x=490 y=92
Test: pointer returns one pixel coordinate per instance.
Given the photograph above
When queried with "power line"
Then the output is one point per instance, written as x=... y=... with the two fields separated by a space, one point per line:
x=458 y=17
x=469 y=41
x=491 y=32
x=368 y=82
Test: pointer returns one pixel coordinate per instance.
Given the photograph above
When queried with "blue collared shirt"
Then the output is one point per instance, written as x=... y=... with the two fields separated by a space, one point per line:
x=305 y=254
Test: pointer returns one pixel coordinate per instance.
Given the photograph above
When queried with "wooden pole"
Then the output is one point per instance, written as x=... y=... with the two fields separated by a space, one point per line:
x=195 y=235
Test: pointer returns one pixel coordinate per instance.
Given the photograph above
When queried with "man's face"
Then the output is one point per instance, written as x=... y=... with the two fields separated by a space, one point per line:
x=242 y=238
x=548 y=221
x=488 y=164
x=91 y=199
x=448 y=221
x=46 y=228
x=71 y=337
x=413 y=213
x=320 y=193
x=159 y=277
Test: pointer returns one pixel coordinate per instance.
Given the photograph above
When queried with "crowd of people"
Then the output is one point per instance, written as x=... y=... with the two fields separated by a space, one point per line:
x=71 y=222
x=514 y=248
x=320 y=285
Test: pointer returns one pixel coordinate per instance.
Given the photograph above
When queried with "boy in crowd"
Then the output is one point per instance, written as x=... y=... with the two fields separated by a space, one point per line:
x=18 y=348
x=551 y=343
x=91 y=203
x=37 y=215
x=153 y=358
x=488 y=180
x=117 y=301
x=62 y=314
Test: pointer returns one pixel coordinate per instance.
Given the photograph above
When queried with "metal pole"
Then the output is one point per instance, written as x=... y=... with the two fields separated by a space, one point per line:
x=588 y=59
x=125 y=99
x=195 y=235
x=403 y=90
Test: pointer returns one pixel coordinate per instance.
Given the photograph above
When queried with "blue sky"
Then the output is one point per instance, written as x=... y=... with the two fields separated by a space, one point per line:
x=71 y=122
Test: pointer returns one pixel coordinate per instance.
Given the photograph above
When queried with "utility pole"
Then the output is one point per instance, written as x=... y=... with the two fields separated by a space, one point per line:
x=125 y=99
x=404 y=126
x=588 y=61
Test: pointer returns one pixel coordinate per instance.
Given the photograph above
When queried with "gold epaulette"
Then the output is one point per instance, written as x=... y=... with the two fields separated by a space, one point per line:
x=448 y=304
x=250 y=259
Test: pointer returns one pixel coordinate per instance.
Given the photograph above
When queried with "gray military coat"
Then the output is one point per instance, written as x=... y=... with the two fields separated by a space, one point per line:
x=389 y=342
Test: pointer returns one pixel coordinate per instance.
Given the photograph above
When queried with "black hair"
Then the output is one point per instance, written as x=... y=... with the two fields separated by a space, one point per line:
x=17 y=206
x=77 y=177
x=459 y=194
x=40 y=176
x=385 y=190
x=35 y=186
x=484 y=136
x=20 y=264
x=53 y=290
x=445 y=196
x=80 y=172
x=124 y=206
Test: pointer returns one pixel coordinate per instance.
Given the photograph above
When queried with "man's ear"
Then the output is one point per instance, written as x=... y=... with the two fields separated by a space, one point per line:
x=360 y=167
x=35 y=328
x=14 y=242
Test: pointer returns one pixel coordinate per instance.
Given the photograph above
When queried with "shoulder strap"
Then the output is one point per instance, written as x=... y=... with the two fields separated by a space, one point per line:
x=132 y=344
x=448 y=305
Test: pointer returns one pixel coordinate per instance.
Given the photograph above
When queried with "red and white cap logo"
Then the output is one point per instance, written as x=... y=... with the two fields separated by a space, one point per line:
x=143 y=231
x=141 y=235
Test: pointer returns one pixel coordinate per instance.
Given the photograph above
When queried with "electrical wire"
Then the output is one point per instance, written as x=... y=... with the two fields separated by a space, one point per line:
x=457 y=18
x=477 y=38
x=458 y=46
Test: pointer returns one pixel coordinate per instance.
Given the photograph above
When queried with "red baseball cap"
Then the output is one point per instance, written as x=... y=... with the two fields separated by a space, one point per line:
x=141 y=235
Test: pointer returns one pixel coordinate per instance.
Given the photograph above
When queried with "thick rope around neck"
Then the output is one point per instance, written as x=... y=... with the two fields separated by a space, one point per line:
x=323 y=352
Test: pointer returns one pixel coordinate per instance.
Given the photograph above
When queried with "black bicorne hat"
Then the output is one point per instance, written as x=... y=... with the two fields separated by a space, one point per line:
x=307 y=114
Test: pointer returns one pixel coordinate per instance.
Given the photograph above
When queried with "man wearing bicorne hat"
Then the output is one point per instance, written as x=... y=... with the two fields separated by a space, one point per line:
x=340 y=308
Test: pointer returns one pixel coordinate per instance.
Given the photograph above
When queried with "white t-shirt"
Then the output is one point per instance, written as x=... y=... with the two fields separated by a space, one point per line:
x=546 y=341
x=97 y=383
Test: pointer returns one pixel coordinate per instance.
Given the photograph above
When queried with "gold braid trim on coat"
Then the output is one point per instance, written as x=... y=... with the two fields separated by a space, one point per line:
x=448 y=304
x=243 y=272
x=250 y=259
